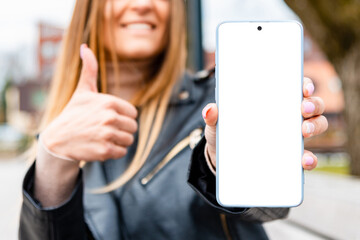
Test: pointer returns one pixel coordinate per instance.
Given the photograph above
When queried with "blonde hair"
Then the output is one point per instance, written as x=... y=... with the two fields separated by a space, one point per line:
x=153 y=98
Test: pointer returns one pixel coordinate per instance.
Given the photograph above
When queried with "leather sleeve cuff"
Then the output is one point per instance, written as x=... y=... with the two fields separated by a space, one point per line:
x=65 y=221
x=208 y=161
x=203 y=181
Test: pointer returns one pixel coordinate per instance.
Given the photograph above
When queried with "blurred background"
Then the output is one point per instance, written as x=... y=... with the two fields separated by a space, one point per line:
x=31 y=37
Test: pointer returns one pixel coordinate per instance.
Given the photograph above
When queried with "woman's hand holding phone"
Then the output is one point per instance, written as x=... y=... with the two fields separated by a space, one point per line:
x=314 y=123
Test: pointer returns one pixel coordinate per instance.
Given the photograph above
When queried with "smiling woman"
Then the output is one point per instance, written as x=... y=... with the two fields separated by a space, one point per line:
x=125 y=108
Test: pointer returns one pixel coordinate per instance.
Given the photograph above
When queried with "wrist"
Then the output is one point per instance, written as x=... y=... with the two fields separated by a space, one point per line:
x=55 y=177
x=52 y=162
x=44 y=148
x=208 y=159
x=55 y=142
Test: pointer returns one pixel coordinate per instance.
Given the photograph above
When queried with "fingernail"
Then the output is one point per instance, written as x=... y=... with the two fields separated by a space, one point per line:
x=309 y=161
x=310 y=128
x=310 y=88
x=81 y=50
x=309 y=107
x=206 y=111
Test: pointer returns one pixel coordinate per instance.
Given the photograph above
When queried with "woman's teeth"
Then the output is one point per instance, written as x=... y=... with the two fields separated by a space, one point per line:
x=138 y=26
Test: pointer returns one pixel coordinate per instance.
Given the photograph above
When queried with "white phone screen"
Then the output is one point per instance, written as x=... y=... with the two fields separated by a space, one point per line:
x=259 y=71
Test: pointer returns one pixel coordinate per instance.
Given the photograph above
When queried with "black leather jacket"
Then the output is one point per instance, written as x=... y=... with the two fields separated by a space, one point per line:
x=171 y=197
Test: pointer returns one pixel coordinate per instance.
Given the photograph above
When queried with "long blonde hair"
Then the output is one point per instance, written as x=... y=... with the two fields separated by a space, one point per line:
x=86 y=26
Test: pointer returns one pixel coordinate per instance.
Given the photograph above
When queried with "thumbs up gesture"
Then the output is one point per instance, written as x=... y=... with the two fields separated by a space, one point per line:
x=93 y=126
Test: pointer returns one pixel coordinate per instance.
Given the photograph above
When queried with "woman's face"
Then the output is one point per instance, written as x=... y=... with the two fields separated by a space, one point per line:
x=138 y=26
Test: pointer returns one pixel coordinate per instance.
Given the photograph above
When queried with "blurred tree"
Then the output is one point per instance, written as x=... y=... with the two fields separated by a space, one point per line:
x=335 y=26
x=3 y=117
x=2 y=106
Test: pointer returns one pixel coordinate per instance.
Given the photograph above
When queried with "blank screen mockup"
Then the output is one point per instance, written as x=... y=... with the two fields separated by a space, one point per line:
x=259 y=93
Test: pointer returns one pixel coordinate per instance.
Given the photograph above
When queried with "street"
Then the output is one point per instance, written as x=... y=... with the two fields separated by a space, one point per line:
x=331 y=210
x=331 y=207
x=11 y=175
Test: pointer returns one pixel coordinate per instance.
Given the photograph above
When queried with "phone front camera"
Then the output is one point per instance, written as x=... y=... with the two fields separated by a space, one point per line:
x=259 y=28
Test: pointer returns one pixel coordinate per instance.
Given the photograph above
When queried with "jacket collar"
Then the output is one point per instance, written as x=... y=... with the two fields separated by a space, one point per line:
x=183 y=92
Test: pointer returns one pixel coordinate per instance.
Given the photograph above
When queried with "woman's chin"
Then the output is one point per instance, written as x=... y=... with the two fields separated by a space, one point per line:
x=138 y=54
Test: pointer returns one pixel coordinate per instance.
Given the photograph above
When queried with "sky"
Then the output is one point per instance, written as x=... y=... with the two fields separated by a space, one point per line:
x=217 y=11
x=19 y=19
x=18 y=36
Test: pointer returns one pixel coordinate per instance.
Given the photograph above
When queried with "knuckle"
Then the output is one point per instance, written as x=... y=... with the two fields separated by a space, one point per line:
x=135 y=112
x=129 y=124
x=304 y=129
x=123 y=139
x=123 y=151
x=107 y=134
x=109 y=104
x=319 y=104
x=326 y=123
x=134 y=126
x=127 y=139
x=131 y=139
x=120 y=152
x=321 y=124
x=321 y=101
x=316 y=122
x=130 y=110
x=107 y=152
x=111 y=118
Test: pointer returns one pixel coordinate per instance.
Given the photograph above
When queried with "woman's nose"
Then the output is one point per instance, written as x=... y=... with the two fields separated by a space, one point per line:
x=141 y=6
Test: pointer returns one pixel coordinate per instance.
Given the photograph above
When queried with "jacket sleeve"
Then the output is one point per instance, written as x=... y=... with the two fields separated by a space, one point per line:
x=203 y=181
x=61 y=222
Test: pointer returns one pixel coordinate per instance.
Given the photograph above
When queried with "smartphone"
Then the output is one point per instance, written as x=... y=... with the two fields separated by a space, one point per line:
x=259 y=145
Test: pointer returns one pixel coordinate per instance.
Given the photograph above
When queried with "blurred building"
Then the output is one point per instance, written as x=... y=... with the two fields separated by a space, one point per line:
x=48 y=47
x=26 y=98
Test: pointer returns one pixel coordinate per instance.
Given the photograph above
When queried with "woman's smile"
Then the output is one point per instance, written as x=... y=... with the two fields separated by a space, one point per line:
x=138 y=28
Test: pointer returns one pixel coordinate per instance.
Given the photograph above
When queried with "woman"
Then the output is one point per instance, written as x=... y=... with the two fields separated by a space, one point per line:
x=131 y=118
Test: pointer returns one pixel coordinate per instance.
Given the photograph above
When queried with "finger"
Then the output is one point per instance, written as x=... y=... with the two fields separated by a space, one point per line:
x=110 y=150
x=89 y=71
x=119 y=105
x=312 y=106
x=314 y=126
x=120 y=122
x=308 y=87
x=210 y=114
x=126 y=124
x=309 y=160
x=120 y=138
x=117 y=152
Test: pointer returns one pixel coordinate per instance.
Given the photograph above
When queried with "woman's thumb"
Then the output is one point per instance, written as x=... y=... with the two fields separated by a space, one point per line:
x=89 y=71
x=210 y=114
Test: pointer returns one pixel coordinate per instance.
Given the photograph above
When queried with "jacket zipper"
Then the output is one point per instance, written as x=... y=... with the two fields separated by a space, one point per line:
x=190 y=140
x=225 y=226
